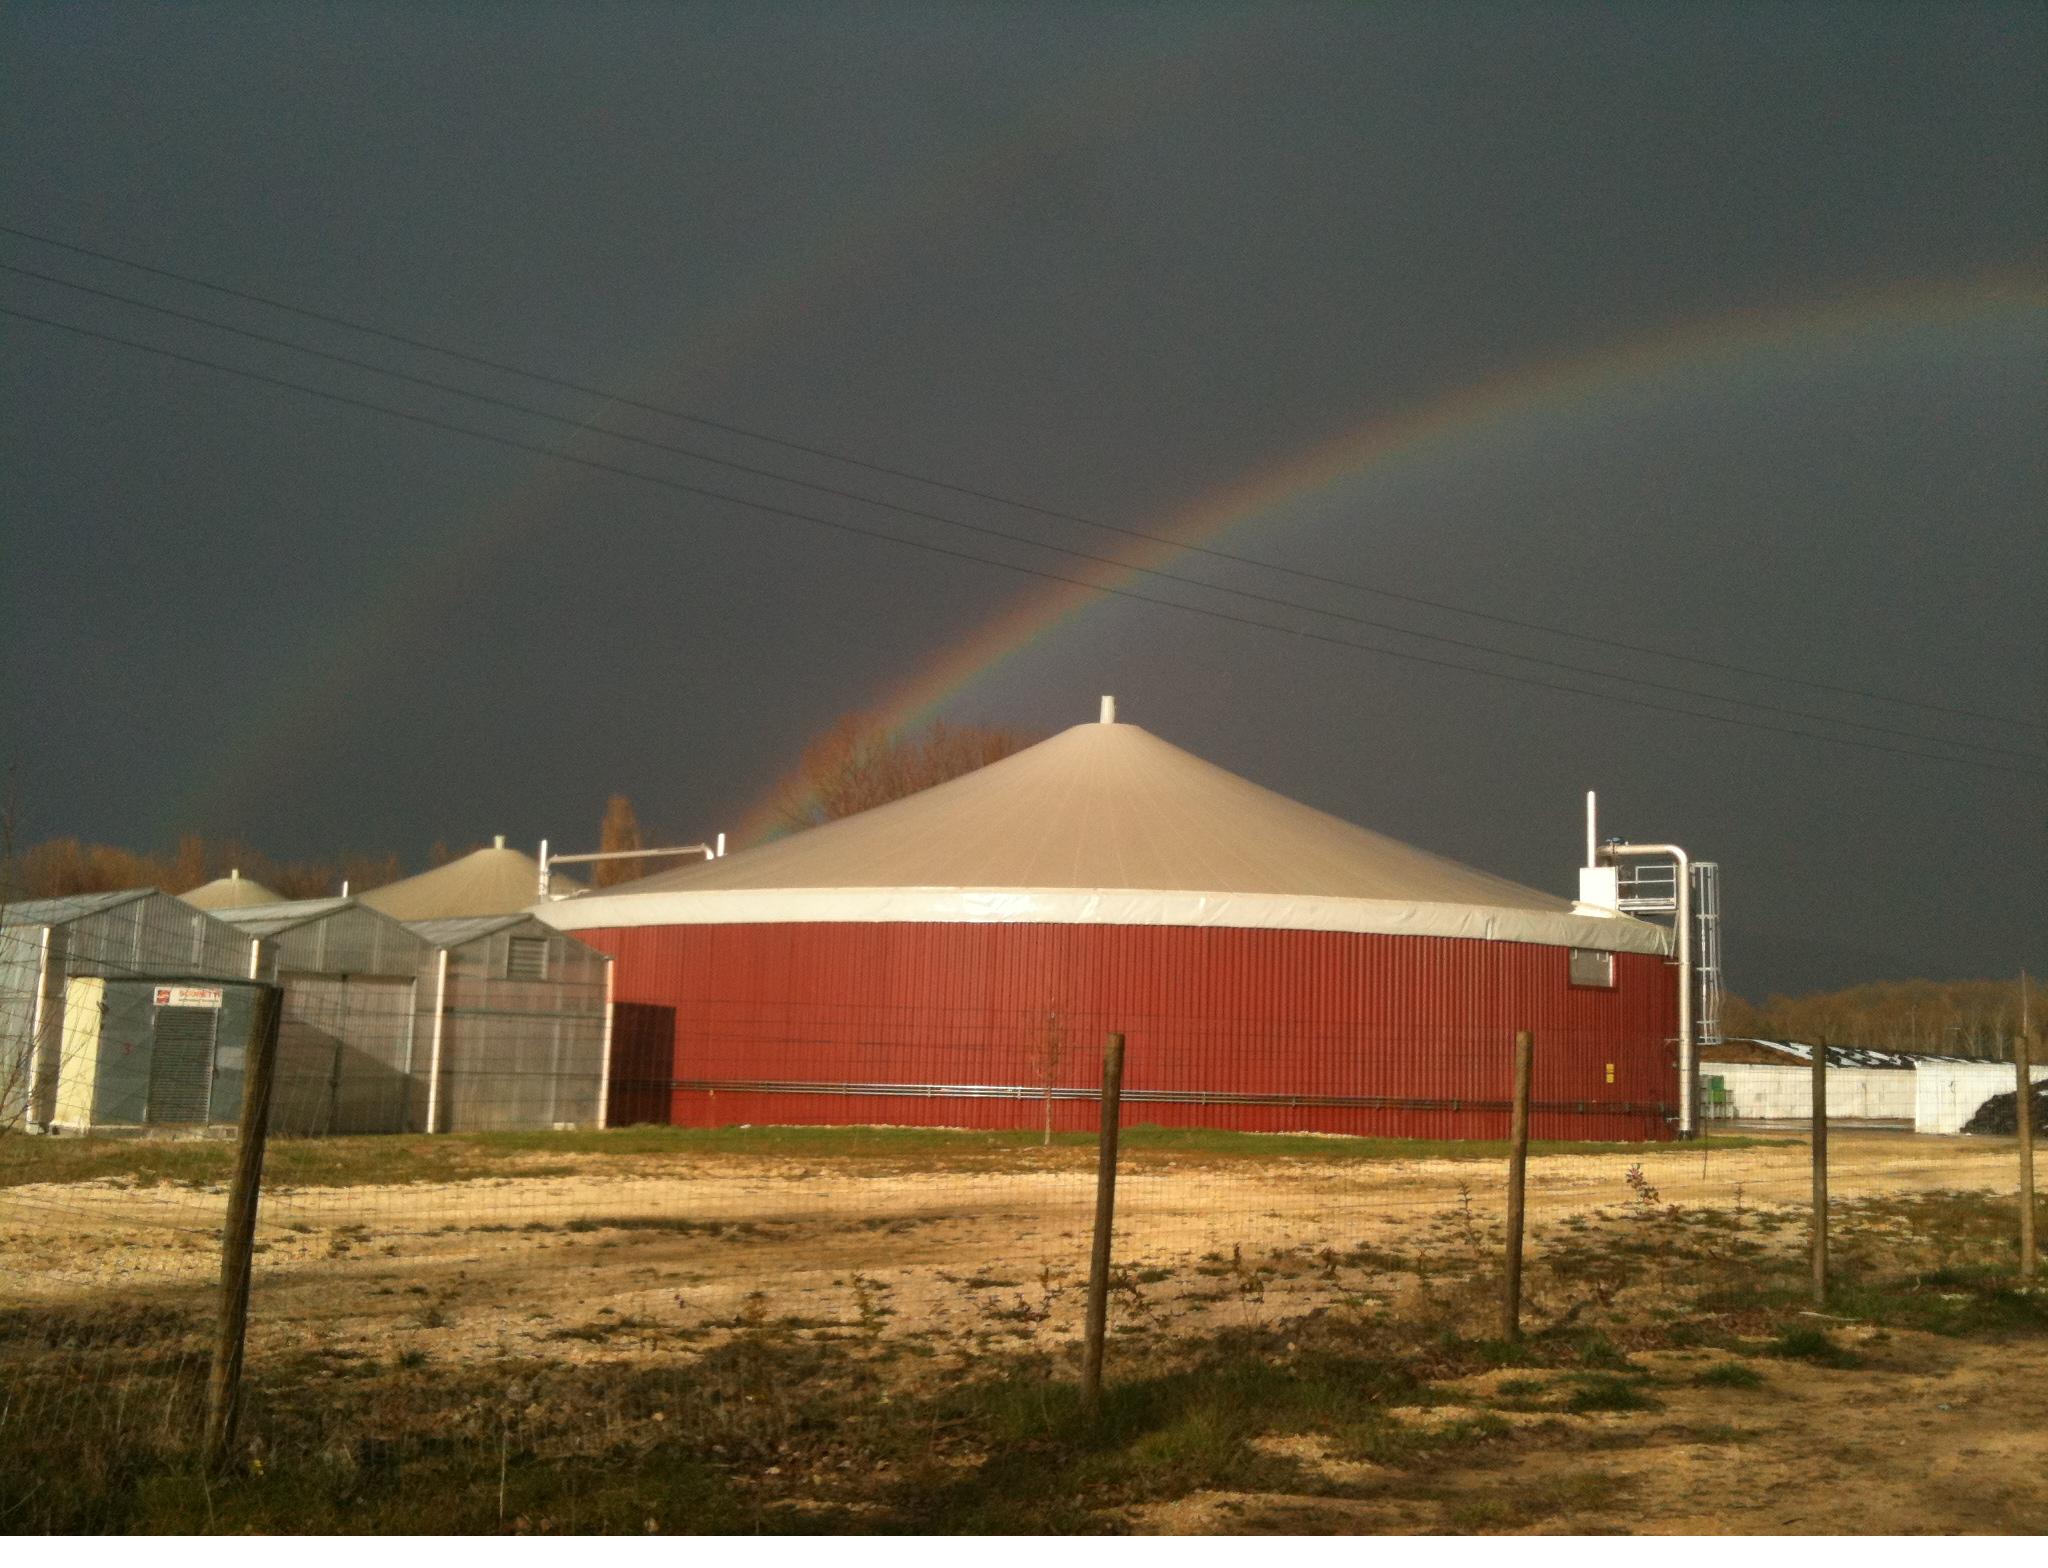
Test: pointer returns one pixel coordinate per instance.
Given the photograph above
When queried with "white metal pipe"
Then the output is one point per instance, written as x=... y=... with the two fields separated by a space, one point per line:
x=434 y=1055
x=721 y=848
x=1592 y=831
x=634 y=854
x=38 y=1072
x=604 y=1079
x=1688 y=1066
x=544 y=878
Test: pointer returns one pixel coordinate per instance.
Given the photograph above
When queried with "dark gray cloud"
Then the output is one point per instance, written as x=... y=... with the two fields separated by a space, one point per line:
x=1107 y=258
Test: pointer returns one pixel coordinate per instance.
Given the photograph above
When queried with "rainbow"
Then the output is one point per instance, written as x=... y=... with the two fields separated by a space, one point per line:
x=827 y=270
x=1582 y=382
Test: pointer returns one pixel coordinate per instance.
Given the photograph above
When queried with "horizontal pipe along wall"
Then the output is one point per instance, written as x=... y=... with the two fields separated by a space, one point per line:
x=997 y=1026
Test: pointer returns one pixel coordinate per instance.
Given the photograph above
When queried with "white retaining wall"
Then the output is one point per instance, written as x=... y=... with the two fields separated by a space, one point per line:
x=1947 y=1094
x=1768 y=1094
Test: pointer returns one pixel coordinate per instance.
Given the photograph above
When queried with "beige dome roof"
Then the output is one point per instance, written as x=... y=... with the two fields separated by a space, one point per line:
x=494 y=881
x=233 y=891
x=1105 y=824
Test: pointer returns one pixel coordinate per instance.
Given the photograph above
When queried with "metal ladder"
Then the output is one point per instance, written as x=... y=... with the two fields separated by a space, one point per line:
x=1706 y=960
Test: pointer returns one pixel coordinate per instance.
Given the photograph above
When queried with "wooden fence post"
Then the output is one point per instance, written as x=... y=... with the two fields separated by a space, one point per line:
x=2023 y=1124
x=238 y=1234
x=1820 y=1173
x=1518 y=1170
x=1105 y=1219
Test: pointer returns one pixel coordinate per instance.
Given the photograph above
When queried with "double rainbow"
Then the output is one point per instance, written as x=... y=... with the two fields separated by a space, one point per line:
x=1770 y=338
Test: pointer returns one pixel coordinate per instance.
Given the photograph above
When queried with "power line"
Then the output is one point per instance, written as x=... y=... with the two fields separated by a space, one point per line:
x=839 y=525
x=1028 y=541
x=623 y=401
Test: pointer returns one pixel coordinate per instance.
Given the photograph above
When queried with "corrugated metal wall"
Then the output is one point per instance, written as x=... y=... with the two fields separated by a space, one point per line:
x=345 y=1046
x=158 y=934
x=520 y=1052
x=350 y=941
x=1001 y=1026
x=348 y=1039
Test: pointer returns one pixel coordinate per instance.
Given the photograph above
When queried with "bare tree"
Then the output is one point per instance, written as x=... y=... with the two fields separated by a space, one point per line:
x=859 y=763
x=1053 y=1047
x=619 y=831
x=1953 y=1017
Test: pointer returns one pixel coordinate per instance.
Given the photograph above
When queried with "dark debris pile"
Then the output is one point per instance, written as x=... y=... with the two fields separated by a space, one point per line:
x=1999 y=1114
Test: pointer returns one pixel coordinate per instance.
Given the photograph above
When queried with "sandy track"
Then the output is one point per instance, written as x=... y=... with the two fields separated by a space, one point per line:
x=509 y=1263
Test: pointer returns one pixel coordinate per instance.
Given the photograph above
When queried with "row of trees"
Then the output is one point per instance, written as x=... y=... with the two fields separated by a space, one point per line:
x=857 y=764
x=1944 y=1017
x=860 y=763
x=60 y=866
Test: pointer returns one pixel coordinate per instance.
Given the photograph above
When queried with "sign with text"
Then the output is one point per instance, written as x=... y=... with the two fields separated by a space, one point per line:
x=188 y=996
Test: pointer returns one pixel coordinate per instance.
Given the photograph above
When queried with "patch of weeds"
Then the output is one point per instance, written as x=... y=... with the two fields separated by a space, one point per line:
x=1605 y=1392
x=1730 y=1374
x=1048 y=1466
x=1955 y=1301
x=870 y=1306
x=1518 y=1505
x=96 y=1328
x=1597 y=1351
x=1814 y=1345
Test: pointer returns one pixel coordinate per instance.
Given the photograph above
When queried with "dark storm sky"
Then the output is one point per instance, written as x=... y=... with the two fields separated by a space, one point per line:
x=1108 y=259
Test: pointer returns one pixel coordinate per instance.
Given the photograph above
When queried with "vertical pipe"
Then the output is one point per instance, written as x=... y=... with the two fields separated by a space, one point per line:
x=544 y=868
x=434 y=1055
x=1688 y=1049
x=43 y=1066
x=238 y=1237
x=1518 y=1171
x=412 y=1032
x=2023 y=1124
x=604 y=1071
x=1820 y=1173
x=1688 y=1064
x=1105 y=1221
x=1592 y=831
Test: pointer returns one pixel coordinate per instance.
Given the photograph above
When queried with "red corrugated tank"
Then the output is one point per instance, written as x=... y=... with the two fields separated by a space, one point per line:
x=956 y=958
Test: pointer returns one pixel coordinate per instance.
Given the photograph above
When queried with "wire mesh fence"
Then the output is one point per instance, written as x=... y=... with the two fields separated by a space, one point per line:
x=916 y=1207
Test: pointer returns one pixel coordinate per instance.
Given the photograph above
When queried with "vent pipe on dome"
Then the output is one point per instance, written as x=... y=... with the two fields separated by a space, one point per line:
x=1109 y=710
x=497 y=841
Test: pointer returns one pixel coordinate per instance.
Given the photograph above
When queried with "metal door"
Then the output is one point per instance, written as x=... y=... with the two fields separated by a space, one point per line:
x=181 y=1064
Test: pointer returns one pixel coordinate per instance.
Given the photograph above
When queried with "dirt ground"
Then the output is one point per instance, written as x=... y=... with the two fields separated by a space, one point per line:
x=669 y=1259
x=518 y=1254
x=1935 y=1437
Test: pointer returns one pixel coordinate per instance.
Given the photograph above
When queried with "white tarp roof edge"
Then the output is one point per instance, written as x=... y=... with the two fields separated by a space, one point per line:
x=1103 y=906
